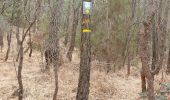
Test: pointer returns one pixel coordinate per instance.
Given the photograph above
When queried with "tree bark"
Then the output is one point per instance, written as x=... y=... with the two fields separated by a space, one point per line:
x=70 y=22
x=166 y=21
x=56 y=9
x=168 y=63
x=108 y=65
x=85 y=61
x=20 y=96
x=9 y=44
x=128 y=65
x=1 y=39
x=154 y=44
x=17 y=35
x=30 y=43
x=143 y=81
x=73 y=33
x=145 y=54
x=30 y=38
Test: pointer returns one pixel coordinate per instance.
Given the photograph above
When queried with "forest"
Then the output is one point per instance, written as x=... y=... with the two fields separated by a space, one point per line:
x=84 y=50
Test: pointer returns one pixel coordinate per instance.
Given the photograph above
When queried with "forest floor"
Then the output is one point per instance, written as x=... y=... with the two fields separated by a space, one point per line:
x=39 y=85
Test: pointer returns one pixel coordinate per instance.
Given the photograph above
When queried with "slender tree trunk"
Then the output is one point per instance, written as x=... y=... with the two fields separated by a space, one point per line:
x=85 y=61
x=108 y=65
x=150 y=82
x=114 y=68
x=56 y=65
x=20 y=96
x=128 y=37
x=66 y=39
x=166 y=21
x=30 y=43
x=9 y=44
x=128 y=65
x=168 y=63
x=143 y=81
x=30 y=38
x=70 y=22
x=17 y=35
x=154 y=44
x=56 y=9
x=1 y=39
x=145 y=54
x=73 y=33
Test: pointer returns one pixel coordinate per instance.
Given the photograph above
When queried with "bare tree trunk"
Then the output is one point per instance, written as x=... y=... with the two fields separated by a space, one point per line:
x=56 y=65
x=1 y=40
x=85 y=61
x=66 y=39
x=162 y=30
x=30 y=43
x=108 y=66
x=9 y=44
x=143 y=81
x=145 y=54
x=30 y=38
x=56 y=9
x=9 y=34
x=166 y=21
x=154 y=44
x=20 y=96
x=128 y=37
x=20 y=57
x=168 y=63
x=128 y=65
x=17 y=35
x=73 y=33
x=70 y=22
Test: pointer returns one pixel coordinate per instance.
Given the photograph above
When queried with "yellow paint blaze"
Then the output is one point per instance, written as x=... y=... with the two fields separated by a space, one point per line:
x=86 y=30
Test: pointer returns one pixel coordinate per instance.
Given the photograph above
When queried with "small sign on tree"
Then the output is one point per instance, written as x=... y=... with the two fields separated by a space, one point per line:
x=87 y=7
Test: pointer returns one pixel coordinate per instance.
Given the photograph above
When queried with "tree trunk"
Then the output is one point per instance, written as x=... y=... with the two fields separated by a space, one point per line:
x=17 y=35
x=143 y=81
x=1 y=39
x=150 y=82
x=9 y=45
x=166 y=21
x=162 y=30
x=56 y=65
x=70 y=22
x=145 y=54
x=128 y=36
x=73 y=33
x=30 y=38
x=154 y=45
x=56 y=9
x=30 y=44
x=85 y=61
x=128 y=65
x=108 y=65
x=66 y=39
x=168 y=63
x=20 y=96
